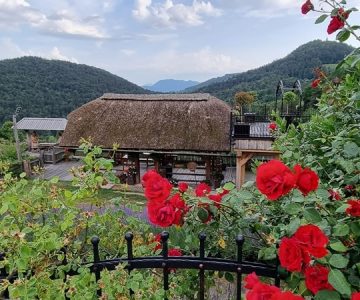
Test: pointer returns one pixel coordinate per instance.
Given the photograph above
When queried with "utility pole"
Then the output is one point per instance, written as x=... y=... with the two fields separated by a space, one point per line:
x=16 y=136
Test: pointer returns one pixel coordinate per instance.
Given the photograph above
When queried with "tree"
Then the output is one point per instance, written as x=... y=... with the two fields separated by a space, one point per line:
x=6 y=131
x=289 y=98
x=243 y=98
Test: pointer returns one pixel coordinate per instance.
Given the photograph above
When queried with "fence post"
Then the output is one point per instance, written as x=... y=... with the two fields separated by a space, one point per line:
x=239 y=243
x=95 y=242
x=202 y=238
x=129 y=238
x=277 y=277
x=164 y=241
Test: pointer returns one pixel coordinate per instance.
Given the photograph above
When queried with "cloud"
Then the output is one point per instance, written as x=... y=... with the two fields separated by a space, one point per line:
x=56 y=54
x=171 y=15
x=10 y=50
x=66 y=23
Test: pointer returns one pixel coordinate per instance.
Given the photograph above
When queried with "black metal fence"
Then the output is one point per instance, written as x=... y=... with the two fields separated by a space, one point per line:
x=166 y=263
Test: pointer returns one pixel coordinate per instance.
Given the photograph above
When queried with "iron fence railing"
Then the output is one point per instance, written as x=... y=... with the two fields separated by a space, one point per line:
x=166 y=263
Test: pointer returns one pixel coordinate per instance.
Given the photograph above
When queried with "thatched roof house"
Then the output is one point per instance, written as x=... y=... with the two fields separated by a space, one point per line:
x=161 y=122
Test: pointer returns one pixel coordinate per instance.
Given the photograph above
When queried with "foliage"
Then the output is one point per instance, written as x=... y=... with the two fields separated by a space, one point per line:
x=6 y=131
x=299 y=64
x=51 y=88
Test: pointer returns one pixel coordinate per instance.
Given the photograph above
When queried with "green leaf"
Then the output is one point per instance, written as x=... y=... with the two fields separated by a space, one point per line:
x=338 y=246
x=343 y=35
x=342 y=208
x=341 y=230
x=338 y=281
x=338 y=261
x=355 y=228
x=327 y=295
x=229 y=186
x=312 y=215
x=351 y=149
x=54 y=180
x=321 y=19
x=293 y=208
x=22 y=175
x=293 y=226
x=4 y=208
x=245 y=195
x=203 y=214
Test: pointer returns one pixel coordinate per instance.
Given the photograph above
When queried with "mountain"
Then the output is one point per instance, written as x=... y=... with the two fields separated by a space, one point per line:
x=299 y=64
x=53 y=88
x=170 y=85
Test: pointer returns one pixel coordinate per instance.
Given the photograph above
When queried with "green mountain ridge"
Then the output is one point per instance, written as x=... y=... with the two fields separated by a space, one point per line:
x=53 y=88
x=299 y=64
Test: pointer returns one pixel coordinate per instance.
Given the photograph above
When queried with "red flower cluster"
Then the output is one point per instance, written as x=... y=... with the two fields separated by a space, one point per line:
x=353 y=208
x=272 y=126
x=306 y=7
x=355 y=296
x=295 y=255
x=295 y=252
x=274 y=179
x=262 y=291
x=316 y=278
x=163 y=210
x=337 y=22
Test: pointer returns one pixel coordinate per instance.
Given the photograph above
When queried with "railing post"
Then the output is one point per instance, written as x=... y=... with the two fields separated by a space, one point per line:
x=239 y=243
x=277 y=277
x=129 y=238
x=202 y=238
x=165 y=250
x=95 y=242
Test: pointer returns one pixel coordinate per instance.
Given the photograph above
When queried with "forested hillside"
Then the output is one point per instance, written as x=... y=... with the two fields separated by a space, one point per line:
x=52 y=88
x=299 y=64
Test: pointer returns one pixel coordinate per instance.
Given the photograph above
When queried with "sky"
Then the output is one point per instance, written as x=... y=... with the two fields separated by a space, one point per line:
x=144 y=41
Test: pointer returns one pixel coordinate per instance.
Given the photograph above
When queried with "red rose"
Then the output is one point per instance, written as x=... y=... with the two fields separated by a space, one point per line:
x=355 y=296
x=291 y=255
x=162 y=214
x=353 y=208
x=202 y=190
x=334 y=195
x=306 y=180
x=157 y=188
x=272 y=126
x=251 y=280
x=286 y=296
x=316 y=279
x=306 y=7
x=312 y=239
x=177 y=201
x=149 y=174
x=337 y=22
x=216 y=198
x=274 y=179
x=262 y=291
x=315 y=83
x=183 y=187
x=224 y=192
x=174 y=252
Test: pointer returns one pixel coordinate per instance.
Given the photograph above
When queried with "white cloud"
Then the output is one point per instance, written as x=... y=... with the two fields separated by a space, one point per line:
x=170 y=14
x=128 y=52
x=19 y=12
x=11 y=50
x=56 y=54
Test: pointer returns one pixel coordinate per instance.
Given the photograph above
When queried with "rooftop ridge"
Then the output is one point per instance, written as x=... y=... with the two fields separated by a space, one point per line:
x=157 y=97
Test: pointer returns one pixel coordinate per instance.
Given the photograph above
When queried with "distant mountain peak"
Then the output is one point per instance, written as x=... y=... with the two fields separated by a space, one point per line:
x=170 y=85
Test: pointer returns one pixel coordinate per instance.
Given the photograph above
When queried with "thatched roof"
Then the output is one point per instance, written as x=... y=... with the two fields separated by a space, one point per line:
x=182 y=122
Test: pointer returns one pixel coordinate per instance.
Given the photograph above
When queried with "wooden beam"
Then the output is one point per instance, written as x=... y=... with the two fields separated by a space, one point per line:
x=241 y=161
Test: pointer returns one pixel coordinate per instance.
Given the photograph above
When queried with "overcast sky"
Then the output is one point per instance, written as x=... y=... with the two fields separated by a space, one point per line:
x=148 y=40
